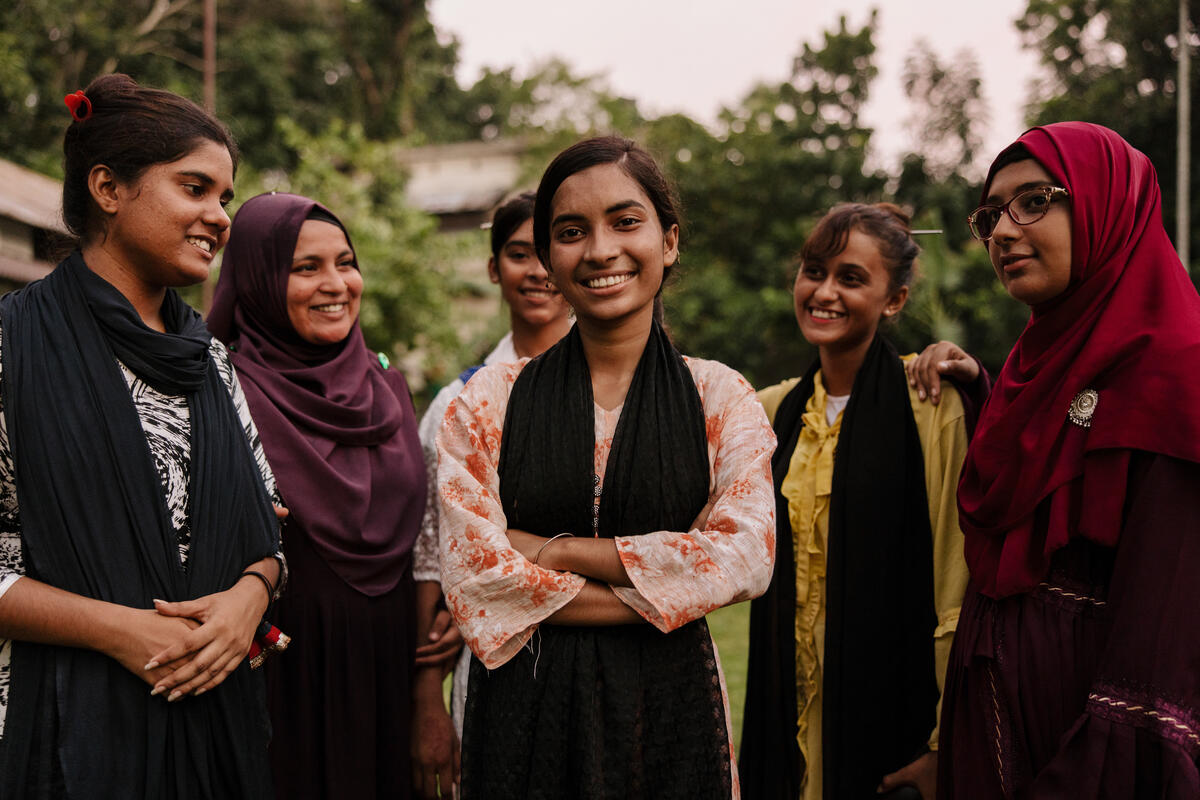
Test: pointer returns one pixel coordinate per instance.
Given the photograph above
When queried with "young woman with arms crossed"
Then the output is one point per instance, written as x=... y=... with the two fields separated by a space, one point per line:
x=596 y=675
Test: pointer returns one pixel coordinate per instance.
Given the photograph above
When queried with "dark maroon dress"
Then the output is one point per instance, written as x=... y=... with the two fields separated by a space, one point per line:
x=1088 y=686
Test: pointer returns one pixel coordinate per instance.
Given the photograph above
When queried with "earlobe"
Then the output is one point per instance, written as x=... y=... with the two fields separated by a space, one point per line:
x=896 y=302
x=102 y=185
x=493 y=271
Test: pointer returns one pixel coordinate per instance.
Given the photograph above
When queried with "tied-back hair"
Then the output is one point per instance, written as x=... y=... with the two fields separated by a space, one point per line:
x=635 y=162
x=508 y=218
x=131 y=128
x=886 y=223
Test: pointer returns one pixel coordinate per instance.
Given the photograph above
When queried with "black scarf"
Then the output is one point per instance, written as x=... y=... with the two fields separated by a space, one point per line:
x=616 y=712
x=94 y=522
x=880 y=691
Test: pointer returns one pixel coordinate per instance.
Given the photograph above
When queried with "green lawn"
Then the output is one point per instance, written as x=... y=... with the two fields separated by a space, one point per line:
x=730 y=627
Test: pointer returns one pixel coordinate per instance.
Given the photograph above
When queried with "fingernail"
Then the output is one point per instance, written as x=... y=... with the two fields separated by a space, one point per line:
x=156 y=601
x=157 y=690
x=150 y=665
x=921 y=393
x=199 y=692
x=173 y=696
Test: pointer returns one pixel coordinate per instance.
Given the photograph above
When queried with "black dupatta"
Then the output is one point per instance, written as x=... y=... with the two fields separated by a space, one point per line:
x=879 y=686
x=605 y=712
x=94 y=522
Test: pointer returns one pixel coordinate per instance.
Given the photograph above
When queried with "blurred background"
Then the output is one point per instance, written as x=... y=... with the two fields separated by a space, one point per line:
x=413 y=119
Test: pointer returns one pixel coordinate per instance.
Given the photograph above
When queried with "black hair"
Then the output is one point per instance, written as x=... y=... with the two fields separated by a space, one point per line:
x=130 y=129
x=508 y=218
x=626 y=154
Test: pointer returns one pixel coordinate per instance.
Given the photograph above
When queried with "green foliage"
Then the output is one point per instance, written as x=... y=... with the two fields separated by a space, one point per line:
x=782 y=157
x=1114 y=62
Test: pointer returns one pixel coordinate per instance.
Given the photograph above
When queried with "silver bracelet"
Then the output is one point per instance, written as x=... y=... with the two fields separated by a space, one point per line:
x=546 y=544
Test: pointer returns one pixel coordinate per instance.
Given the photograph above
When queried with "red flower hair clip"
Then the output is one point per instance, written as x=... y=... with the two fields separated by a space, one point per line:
x=79 y=105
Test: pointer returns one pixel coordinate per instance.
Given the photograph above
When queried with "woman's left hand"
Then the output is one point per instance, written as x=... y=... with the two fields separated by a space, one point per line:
x=527 y=544
x=920 y=774
x=227 y=620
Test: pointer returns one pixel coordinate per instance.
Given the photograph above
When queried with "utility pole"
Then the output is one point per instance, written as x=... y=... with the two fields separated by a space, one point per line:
x=210 y=102
x=1183 y=229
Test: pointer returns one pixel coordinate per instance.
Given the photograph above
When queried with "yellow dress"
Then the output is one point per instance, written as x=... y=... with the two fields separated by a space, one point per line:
x=807 y=487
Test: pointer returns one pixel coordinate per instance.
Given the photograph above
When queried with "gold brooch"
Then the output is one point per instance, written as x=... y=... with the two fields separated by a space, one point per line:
x=1083 y=407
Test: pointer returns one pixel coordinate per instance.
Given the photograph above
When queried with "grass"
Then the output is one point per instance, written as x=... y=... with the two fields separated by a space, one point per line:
x=730 y=628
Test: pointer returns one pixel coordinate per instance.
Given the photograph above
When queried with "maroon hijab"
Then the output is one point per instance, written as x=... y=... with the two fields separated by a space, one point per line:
x=339 y=430
x=1127 y=326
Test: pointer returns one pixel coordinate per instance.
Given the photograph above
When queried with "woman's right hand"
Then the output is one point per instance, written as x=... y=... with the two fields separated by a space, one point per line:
x=144 y=634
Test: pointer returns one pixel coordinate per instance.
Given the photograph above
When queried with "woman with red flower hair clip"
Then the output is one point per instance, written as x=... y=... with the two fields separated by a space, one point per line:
x=137 y=539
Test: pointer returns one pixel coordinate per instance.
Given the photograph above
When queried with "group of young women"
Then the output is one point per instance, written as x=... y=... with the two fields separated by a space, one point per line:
x=586 y=498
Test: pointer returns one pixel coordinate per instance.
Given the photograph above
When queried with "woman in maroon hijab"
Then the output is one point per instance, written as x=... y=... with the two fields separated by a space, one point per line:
x=339 y=429
x=1076 y=667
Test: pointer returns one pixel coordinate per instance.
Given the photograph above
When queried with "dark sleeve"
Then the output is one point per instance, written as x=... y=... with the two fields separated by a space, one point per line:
x=974 y=395
x=1139 y=735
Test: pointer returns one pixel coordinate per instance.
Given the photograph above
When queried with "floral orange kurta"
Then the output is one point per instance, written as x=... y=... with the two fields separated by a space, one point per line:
x=499 y=598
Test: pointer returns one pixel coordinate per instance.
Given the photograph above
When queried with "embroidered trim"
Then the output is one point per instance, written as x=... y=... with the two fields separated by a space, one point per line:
x=999 y=746
x=1082 y=598
x=1083 y=407
x=1173 y=722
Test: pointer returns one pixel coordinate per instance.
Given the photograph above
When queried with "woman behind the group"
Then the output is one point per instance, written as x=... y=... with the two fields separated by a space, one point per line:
x=128 y=478
x=849 y=644
x=538 y=318
x=340 y=431
x=596 y=675
x=1074 y=671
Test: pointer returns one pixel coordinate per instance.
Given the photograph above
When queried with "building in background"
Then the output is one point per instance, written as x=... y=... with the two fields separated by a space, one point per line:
x=31 y=226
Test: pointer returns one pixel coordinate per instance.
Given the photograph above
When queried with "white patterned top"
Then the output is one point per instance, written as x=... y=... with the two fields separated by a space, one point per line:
x=166 y=422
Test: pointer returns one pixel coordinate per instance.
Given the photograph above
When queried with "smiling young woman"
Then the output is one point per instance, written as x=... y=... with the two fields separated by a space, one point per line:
x=130 y=476
x=596 y=503
x=849 y=644
x=1073 y=672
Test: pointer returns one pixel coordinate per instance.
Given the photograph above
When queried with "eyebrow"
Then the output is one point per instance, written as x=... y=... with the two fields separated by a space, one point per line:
x=518 y=243
x=316 y=257
x=615 y=207
x=994 y=199
x=205 y=179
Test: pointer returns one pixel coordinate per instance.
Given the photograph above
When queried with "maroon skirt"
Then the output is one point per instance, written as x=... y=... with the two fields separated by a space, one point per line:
x=340 y=697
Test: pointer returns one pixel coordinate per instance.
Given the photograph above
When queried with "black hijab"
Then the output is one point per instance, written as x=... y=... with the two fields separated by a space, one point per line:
x=879 y=685
x=94 y=522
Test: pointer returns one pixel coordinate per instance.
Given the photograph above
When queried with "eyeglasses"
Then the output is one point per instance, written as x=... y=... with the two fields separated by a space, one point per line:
x=1025 y=208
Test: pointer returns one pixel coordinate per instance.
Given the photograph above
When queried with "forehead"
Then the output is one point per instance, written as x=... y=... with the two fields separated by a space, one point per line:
x=597 y=188
x=320 y=234
x=861 y=250
x=1017 y=176
x=523 y=233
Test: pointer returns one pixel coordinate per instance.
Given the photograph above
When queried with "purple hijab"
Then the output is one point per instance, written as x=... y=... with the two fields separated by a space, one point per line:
x=339 y=430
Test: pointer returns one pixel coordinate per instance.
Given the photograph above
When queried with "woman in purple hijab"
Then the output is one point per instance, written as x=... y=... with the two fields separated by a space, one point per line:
x=340 y=432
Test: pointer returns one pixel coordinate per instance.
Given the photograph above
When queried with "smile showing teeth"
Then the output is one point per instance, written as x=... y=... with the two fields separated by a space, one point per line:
x=821 y=313
x=607 y=280
x=203 y=244
x=330 y=308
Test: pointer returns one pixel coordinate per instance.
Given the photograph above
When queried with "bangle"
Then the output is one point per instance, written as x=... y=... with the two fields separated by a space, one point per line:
x=546 y=544
x=266 y=584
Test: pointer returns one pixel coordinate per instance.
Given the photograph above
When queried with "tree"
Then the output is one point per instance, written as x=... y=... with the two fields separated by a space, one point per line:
x=1113 y=62
x=780 y=159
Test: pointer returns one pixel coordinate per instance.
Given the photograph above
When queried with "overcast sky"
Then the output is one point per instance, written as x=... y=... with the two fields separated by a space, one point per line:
x=697 y=55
